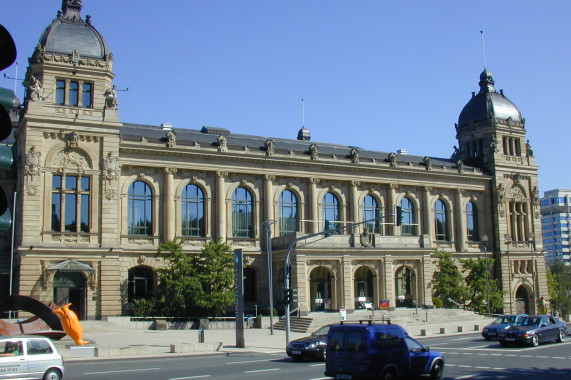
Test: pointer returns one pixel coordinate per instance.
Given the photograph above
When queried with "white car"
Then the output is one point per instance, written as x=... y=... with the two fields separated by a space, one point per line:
x=29 y=357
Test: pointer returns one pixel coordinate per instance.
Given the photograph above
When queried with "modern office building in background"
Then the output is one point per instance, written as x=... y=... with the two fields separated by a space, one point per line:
x=555 y=219
x=97 y=195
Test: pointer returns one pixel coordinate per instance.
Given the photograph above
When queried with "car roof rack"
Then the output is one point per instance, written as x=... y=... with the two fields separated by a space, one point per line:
x=369 y=321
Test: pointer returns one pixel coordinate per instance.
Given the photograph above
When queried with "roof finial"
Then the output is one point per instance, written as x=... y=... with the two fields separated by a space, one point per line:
x=483 y=49
x=71 y=9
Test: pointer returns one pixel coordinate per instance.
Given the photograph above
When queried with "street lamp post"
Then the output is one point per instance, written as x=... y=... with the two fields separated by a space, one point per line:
x=267 y=224
x=484 y=240
x=531 y=240
x=508 y=239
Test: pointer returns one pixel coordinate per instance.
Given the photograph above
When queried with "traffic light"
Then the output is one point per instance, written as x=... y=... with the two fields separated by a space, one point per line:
x=287 y=297
x=7 y=102
x=293 y=295
x=398 y=216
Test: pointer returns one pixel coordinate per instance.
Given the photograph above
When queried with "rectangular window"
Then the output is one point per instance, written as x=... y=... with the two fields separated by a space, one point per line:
x=73 y=93
x=71 y=207
x=60 y=92
x=86 y=95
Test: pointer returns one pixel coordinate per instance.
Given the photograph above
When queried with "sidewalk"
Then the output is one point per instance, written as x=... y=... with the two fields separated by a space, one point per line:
x=107 y=341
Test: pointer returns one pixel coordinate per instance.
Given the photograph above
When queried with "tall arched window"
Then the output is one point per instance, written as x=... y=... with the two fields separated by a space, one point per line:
x=441 y=221
x=192 y=213
x=289 y=219
x=408 y=221
x=371 y=211
x=140 y=209
x=242 y=214
x=331 y=214
x=472 y=222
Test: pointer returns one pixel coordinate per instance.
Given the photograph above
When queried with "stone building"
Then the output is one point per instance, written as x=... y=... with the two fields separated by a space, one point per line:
x=97 y=195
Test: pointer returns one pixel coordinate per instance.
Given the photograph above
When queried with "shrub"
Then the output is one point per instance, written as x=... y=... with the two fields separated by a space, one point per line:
x=142 y=307
x=437 y=302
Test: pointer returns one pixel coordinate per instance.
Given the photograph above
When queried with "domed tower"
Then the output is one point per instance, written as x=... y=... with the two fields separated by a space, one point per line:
x=71 y=66
x=68 y=160
x=491 y=135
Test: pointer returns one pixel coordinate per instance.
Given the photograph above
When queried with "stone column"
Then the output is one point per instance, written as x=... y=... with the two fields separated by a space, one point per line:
x=348 y=302
x=389 y=280
x=391 y=209
x=313 y=224
x=221 y=204
x=427 y=214
x=354 y=209
x=169 y=217
x=460 y=221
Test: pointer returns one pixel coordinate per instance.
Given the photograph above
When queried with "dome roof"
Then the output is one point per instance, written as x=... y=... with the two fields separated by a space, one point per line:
x=303 y=134
x=488 y=103
x=69 y=32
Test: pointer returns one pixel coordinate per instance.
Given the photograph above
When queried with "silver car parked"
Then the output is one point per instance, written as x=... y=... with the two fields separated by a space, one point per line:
x=29 y=357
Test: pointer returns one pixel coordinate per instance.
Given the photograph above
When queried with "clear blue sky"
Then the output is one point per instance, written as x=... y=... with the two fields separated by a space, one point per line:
x=380 y=75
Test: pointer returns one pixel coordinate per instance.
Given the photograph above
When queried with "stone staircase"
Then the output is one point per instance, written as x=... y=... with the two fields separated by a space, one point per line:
x=296 y=324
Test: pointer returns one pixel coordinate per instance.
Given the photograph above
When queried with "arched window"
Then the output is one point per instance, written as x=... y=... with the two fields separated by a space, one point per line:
x=331 y=214
x=472 y=222
x=408 y=221
x=140 y=209
x=371 y=211
x=441 y=221
x=242 y=214
x=141 y=282
x=289 y=219
x=192 y=203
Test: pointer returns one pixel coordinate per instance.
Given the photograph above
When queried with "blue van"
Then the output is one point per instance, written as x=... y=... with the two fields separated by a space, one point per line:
x=378 y=351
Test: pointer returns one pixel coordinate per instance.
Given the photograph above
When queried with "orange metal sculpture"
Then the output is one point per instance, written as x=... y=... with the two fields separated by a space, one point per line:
x=71 y=324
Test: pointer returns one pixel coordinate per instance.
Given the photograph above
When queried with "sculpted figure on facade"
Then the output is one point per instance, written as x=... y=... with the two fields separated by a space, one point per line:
x=460 y=166
x=314 y=152
x=71 y=159
x=111 y=167
x=528 y=150
x=222 y=146
x=393 y=160
x=269 y=145
x=427 y=162
x=33 y=162
x=111 y=98
x=35 y=90
x=171 y=138
x=72 y=139
x=354 y=155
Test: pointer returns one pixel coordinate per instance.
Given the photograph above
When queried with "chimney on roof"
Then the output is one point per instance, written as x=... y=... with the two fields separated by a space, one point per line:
x=166 y=126
x=401 y=151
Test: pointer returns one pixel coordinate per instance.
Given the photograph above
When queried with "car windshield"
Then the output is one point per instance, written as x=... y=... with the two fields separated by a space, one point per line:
x=528 y=321
x=321 y=331
x=505 y=319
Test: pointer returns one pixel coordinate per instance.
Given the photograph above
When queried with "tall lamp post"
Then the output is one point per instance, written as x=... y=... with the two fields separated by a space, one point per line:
x=484 y=240
x=508 y=240
x=531 y=240
x=267 y=224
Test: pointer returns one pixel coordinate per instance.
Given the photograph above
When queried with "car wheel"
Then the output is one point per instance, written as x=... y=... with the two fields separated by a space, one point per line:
x=52 y=374
x=561 y=336
x=437 y=370
x=297 y=358
x=535 y=340
x=503 y=343
x=389 y=374
x=323 y=354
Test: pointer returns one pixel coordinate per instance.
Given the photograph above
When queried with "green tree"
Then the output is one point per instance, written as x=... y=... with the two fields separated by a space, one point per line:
x=447 y=281
x=476 y=285
x=178 y=283
x=559 y=285
x=214 y=268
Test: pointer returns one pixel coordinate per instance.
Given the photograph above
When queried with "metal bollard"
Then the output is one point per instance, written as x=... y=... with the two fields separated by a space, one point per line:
x=476 y=327
x=442 y=330
x=422 y=332
x=459 y=328
x=200 y=336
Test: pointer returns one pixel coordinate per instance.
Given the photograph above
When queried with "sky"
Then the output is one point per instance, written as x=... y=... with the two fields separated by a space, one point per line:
x=378 y=75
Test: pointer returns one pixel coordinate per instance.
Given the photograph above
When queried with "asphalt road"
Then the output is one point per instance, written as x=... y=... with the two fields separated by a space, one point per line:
x=467 y=357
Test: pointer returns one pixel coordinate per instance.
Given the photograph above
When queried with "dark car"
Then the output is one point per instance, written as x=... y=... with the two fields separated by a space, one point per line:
x=534 y=330
x=311 y=347
x=501 y=323
x=378 y=351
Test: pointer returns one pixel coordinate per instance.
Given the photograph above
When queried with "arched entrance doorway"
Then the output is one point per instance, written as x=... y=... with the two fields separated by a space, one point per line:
x=404 y=286
x=320 y=289
x=141 y=282
x=363 y=287
x=522 y=301
x=69 y=287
